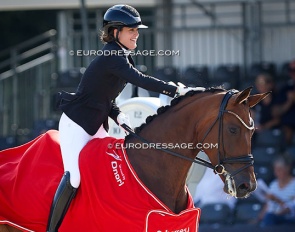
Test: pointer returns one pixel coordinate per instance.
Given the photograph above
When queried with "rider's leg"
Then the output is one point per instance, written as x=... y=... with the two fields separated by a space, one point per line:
x=72 y=139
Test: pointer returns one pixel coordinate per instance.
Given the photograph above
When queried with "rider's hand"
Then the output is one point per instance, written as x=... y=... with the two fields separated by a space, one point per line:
x=123 y=119
x=182 y=89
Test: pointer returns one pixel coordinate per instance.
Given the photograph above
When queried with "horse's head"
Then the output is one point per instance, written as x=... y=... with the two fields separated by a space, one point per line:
x=201 y=118
x=231 y=128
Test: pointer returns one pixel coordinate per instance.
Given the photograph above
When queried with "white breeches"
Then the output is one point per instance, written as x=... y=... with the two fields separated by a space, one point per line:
x=72 y=139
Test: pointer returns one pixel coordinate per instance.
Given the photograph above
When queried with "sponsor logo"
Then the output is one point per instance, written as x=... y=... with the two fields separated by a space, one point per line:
x=114 y=155
x=117 y=175
x=117 y=168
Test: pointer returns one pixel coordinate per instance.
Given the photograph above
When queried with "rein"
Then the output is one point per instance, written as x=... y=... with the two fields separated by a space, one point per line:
x=196 y=160
x=219 y=168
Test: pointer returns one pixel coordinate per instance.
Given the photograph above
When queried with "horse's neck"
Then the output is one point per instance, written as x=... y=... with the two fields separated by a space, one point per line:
x=163 y=174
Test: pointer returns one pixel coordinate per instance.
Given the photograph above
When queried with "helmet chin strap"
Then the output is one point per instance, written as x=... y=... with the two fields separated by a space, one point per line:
x=117 y=38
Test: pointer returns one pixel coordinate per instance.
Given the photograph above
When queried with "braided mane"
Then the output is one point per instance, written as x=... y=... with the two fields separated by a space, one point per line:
x=174 y=102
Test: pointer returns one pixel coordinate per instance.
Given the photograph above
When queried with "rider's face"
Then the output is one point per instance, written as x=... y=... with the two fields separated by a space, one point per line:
x=128 y=37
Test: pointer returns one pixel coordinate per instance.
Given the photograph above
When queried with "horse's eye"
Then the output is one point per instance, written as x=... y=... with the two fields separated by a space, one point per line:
x=233 y=130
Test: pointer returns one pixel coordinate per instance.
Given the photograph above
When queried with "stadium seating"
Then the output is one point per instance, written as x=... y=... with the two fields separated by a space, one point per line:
x=264 y=172
x=167 y=74
x=264 y=154
x=42 y=126
x=70 y=78
x=216 y=214
x=272 y=137
x=246 y=212
x=263 y=67
x=284 y=74
x=7 y=142
x=227 y=75
x=195 y=76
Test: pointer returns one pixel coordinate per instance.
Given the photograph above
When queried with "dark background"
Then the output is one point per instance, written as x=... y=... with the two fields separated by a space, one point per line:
x=18 y=26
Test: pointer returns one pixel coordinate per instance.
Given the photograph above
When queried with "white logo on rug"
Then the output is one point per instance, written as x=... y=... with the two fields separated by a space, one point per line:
x=117 y=176
x=114 y=155
x=117 y=169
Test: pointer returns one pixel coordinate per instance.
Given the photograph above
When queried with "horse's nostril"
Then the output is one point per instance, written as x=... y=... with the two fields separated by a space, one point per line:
x=244 y=187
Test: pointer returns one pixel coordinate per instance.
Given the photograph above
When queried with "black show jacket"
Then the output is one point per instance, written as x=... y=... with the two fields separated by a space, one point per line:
x=101 y=83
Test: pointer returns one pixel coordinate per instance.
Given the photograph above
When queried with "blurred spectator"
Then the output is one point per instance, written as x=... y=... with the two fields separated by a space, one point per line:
x=285 y=106
x=280 y=197
x=210 y=190
x=263 y=111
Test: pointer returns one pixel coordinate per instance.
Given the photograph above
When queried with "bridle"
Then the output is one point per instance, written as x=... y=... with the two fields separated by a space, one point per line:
x=219 y=169
x=248 y=159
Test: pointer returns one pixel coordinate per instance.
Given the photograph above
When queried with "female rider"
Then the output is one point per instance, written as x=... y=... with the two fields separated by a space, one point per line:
x=86 y=112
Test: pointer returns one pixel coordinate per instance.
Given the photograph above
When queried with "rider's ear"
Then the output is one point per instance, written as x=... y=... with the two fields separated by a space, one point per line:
x=243 y=96
x=255 y=99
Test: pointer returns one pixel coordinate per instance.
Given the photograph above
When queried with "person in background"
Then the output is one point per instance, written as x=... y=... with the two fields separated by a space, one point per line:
x=263 y=116
x=280 y=200
x=285 y=106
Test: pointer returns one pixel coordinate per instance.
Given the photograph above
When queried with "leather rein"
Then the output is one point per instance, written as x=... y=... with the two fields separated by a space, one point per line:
x=219 y=169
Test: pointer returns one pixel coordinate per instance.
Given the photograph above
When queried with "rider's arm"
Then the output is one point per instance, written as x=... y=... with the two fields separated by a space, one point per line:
x=122 y=68
x=115 y=111
x=119 y=117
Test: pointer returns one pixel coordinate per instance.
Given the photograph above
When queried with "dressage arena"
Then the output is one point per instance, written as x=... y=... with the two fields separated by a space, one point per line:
x=204 y=43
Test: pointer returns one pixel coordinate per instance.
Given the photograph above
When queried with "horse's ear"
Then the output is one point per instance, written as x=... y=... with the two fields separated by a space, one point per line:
x=243 y=96
x=255 y=99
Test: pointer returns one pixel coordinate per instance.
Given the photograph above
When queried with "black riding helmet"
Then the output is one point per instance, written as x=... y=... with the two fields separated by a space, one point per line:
x=122 y=15
x=119 y=16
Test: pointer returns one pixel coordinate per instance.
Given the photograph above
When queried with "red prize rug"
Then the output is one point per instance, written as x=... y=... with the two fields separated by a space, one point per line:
x=110 y=198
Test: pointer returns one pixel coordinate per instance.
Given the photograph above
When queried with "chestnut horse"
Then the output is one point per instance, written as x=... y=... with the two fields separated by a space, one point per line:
x=208 y=116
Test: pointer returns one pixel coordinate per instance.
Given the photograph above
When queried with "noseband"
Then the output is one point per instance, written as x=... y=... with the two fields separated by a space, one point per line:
x=219 y=169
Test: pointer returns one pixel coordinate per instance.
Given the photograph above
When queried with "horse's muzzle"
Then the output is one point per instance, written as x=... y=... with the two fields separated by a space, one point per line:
x=239 y=189
x=244 y=189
